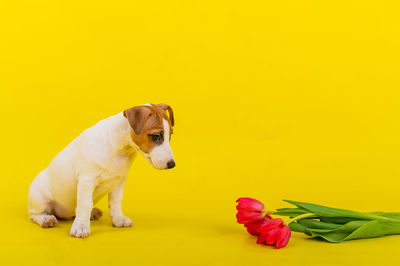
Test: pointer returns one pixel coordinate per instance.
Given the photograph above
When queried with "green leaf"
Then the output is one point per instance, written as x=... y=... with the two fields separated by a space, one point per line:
x=301 y=210
x=392 y=215
x=296 y=227
x=339 y=234
x=356 y=230
x=291 y=212
x=375 y=229
x=313 y=224
x=336 y=220
x=333 y=212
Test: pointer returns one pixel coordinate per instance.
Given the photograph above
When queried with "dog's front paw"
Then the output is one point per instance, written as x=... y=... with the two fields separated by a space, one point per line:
x=80 y=229
x=121 y=221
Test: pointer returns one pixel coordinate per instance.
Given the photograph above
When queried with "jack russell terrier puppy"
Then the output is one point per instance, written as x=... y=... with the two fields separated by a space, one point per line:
x=96 y=163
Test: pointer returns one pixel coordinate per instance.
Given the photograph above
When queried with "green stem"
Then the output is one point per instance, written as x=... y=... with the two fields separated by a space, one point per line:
x=302 y=216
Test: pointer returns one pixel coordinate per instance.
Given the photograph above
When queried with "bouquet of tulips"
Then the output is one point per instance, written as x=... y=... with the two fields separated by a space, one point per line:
x=331 y=224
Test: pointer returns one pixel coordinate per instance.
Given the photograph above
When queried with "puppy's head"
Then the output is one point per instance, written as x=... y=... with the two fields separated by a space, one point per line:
x=151 y=130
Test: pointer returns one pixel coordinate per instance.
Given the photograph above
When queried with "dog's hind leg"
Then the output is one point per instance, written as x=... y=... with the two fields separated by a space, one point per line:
x=44 y=220
x=96 y=214
x=39 y=205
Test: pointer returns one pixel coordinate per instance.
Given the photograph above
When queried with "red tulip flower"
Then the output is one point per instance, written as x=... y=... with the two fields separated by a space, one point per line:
x=250 y=205
x=250 y=211
x=259 y=223
x=252 y=214
x=274 y=232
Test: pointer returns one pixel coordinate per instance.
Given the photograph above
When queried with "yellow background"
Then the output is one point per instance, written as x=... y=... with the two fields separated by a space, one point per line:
x=273 y=100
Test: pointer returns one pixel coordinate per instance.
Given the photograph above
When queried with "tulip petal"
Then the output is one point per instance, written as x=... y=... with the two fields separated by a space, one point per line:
x=244 y=217
x=249 y=204
x=270 y=238
x=261 y=239
x=283 y=237
x=253 y=228
x=271 y=225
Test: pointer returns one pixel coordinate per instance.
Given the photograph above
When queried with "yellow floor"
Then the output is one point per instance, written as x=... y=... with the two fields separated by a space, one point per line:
x=172 y=236
x=272 y=99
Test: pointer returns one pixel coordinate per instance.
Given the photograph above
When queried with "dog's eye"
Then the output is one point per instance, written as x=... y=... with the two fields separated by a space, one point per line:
x=157 y=138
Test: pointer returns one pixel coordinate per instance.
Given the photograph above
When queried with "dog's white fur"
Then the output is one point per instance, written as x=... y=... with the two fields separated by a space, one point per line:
x=94 y=164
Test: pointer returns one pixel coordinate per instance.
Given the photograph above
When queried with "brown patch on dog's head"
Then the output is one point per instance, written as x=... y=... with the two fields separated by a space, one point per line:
x=146 y=120
x=168 y=108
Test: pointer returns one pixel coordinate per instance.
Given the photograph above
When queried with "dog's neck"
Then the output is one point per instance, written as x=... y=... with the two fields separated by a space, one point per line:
x=119 y=136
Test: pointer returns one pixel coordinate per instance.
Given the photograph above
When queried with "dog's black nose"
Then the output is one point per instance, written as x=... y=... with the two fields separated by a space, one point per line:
x=171 y=164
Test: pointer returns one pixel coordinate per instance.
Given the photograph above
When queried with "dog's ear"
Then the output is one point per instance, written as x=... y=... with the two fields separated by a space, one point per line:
x=168 y=108
x=137 y=117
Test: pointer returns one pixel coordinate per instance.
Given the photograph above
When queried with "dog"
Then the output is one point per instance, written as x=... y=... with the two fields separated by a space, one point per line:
x=96 y=163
